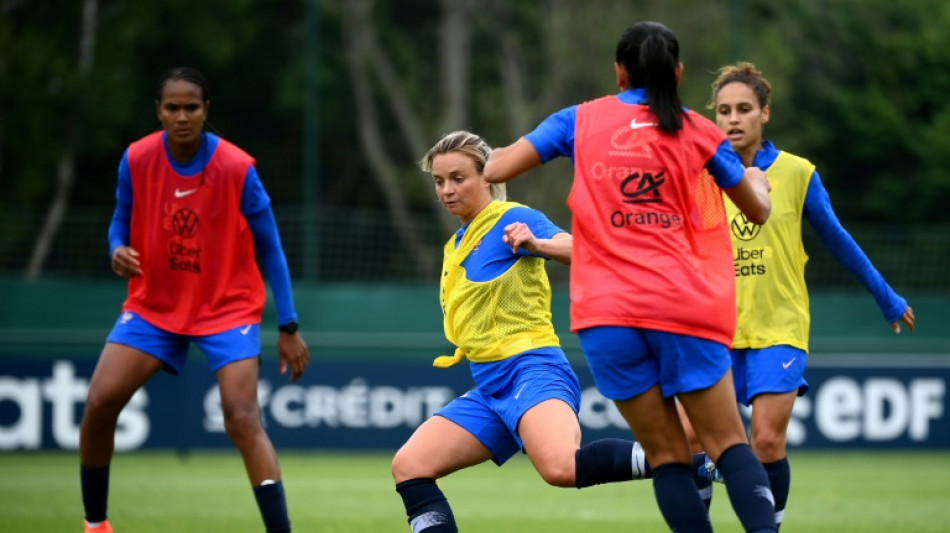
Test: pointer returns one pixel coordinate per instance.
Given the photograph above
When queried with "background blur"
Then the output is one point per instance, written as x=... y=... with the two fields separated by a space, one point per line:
x=338 y=100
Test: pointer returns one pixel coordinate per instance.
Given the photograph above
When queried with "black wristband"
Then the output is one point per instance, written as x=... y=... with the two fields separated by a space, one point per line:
x=290 y=328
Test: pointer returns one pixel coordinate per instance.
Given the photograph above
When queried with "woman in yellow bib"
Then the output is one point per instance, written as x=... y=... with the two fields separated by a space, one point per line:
x=496 y=302
x=770 y=348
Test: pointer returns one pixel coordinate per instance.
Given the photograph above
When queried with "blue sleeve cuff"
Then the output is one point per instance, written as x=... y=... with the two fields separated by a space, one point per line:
x=726 y=166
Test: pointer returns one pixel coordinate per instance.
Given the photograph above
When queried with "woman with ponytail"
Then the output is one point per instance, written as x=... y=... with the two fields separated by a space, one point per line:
x=652 y=281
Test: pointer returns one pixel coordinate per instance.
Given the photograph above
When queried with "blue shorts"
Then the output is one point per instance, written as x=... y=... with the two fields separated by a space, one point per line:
x=776 y=369
x=626 y=362
x=220 y=349
x=493 y=418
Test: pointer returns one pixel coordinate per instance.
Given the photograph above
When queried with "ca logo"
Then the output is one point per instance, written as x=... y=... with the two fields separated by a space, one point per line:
x=647 y=188
x=742 y=229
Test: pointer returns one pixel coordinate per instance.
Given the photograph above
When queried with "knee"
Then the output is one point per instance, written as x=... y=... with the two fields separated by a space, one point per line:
x=769 y=446
x=558 y=471
x=407 y=465
x=242 y=422
x=102 y=405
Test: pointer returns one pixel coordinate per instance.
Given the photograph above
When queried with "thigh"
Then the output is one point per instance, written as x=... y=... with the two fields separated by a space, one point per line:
x=715 y=416
x=238 y=384
x=694 y=444
x=235 y=344
x=120 y=371
x=771 y=414
x=437 y=448
x=657 y=426
x=550 y=430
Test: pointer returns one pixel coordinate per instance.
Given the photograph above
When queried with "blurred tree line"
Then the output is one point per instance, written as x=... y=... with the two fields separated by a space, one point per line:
x=362 y=88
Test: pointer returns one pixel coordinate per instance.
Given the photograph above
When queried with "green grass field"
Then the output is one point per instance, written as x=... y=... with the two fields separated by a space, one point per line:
x=353 y=493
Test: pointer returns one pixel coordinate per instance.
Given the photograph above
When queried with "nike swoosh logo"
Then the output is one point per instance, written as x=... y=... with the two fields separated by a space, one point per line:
x=182 y=194
x=634 y=125
x=788 y=364
x=518 y=394
x=245 y=329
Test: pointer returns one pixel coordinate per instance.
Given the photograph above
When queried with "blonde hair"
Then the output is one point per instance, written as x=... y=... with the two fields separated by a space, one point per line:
x=743 y=72
x=469 y=144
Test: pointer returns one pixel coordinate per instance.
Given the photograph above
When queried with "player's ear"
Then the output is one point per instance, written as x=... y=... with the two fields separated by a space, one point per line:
x=621 y=72
x=765 y=114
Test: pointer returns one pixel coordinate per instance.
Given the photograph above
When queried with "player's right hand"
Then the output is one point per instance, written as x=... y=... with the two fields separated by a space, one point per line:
x=757 y=175
x=518 y=236
x=125 y=262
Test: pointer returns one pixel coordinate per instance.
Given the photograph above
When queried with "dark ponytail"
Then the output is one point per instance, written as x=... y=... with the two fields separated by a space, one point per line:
x=650 y=53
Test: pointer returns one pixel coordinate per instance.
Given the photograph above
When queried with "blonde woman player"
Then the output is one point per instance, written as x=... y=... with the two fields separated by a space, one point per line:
x=496 y=301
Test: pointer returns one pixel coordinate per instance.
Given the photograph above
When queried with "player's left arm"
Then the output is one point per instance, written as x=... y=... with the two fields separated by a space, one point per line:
x=255 y=206
x=838 y=241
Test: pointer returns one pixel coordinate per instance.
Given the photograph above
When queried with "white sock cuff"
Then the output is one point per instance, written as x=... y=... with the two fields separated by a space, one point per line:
x=638 y=461
x=427 y=520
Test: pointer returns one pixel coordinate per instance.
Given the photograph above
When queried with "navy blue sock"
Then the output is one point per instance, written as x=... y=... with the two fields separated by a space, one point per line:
x=273 y=505
x=748 y=488
x=95 y=492
x=607 y=461
x=678 y=498
x=703 y=483
x=426 y=506
x=780 y=478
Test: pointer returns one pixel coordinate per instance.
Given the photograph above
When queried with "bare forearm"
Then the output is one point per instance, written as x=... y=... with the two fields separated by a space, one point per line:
x=508 y=162
x=557 y=248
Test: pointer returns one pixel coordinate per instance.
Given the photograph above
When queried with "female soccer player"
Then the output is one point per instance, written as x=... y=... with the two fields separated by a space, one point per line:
x=652 y=284
x=771 y=343
x=190 y=211
x=496 y=302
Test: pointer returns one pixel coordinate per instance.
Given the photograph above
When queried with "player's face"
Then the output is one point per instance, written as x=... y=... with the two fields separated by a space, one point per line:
x=182 y=112
x=459 y=185
x=740 y=117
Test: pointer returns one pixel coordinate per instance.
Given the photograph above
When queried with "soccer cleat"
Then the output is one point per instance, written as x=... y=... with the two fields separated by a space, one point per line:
x=103 y=527
x=709 y=471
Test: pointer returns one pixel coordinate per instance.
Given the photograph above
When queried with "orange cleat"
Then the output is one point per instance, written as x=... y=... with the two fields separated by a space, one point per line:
x=103 y=527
